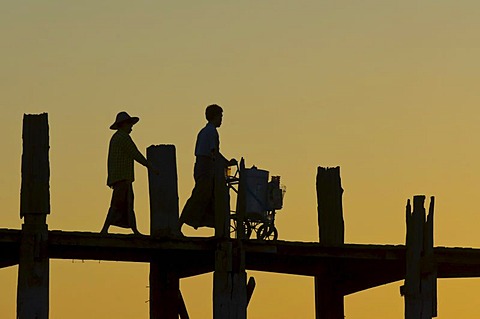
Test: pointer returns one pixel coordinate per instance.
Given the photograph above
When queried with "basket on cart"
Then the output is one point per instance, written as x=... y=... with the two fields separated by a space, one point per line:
x=262 y=199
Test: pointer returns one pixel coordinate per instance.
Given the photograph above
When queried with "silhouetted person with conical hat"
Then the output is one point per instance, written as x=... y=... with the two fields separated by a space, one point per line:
x=199 y=208
x=122 y=152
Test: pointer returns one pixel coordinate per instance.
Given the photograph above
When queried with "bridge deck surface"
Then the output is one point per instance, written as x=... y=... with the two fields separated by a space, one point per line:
x=357 y=266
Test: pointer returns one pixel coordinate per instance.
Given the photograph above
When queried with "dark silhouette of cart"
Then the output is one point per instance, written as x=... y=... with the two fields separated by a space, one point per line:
x=262 y=199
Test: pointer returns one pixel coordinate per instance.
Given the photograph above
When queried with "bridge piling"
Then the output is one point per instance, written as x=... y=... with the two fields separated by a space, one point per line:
x=229 y=277
x=420 y=277
x=33 y=270
x=165 y=296
x=329 y=301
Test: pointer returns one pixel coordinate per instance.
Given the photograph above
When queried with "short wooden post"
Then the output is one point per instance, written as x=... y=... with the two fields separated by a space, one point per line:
x=241 y=202
x=415 y=221
x=164 y=288
x=33 y=271
x=429 y=269
x=222 y=200
x=330 y=208
x=163 y=188
x=420 y=275
x=229 y=282
x=329 y=301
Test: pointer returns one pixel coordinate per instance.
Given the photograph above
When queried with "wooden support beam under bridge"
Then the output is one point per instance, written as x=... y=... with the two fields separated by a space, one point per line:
x=357 y=262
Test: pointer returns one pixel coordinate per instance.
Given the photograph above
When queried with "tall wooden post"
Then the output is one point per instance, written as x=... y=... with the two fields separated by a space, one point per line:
x=163 y=189
x=222 y=200
x=33 y=270
x=329 y=302
x=420 y=276
x=229 y=278
x=241 y=202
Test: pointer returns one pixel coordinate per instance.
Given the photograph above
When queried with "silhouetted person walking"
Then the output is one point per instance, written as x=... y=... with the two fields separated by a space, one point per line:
x=122 y=152
x=199 y=209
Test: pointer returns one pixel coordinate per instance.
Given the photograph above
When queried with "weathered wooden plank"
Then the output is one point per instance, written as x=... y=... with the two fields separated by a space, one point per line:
x=129 y=240
x=366 y=266
x=298 y=258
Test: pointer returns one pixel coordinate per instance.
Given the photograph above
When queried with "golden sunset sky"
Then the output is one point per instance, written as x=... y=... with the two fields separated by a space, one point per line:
x=387 y=90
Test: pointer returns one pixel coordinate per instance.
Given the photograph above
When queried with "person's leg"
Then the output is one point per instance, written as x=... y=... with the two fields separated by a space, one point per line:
x=120 y=207
x=131 y=213
x=196 y=206
x=111 y=211
x=106 y=225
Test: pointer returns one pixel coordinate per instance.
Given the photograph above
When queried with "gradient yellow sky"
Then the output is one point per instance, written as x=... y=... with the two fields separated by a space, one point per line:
x=388 y=90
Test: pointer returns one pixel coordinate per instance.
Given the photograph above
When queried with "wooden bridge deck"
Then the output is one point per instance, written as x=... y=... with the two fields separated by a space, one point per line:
x=358 y=267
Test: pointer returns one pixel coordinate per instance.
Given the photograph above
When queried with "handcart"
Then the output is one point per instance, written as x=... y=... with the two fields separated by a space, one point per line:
x=262 y=198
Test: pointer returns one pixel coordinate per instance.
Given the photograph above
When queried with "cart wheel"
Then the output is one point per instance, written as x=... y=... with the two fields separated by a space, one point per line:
x=233 y=229
x=267 y=232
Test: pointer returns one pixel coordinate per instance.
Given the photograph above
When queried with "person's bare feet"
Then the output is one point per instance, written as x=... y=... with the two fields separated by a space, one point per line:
x=136 y=232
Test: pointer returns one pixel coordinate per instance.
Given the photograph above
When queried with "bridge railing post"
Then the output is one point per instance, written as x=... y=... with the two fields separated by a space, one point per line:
x=420 y=289
x=33 y=270
x=329 y=301
x=165 y=297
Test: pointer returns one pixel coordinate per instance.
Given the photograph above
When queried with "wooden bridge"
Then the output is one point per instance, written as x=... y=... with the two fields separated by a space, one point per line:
x=339 y=269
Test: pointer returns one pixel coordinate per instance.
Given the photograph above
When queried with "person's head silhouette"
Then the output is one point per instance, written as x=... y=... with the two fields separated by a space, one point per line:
x=214 y=114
